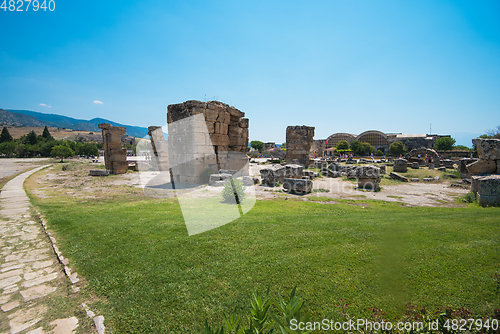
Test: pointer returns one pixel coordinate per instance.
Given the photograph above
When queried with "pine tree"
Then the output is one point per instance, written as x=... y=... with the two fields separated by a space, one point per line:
x=5 y=136
x=46 y=133
x=31 y=138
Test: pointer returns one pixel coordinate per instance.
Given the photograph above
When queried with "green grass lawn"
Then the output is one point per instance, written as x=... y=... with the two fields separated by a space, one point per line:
x=149 y=276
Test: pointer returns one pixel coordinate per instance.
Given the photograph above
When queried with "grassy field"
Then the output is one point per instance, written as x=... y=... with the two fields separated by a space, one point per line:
x=146 y=275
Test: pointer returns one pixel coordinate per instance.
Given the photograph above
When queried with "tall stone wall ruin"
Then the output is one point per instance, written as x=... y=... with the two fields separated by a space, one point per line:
x=193 y=151
x=299 y=140
x=115 y=157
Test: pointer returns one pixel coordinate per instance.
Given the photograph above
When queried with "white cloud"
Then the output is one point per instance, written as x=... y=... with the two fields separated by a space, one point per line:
x=97 y=102
x=44 y=105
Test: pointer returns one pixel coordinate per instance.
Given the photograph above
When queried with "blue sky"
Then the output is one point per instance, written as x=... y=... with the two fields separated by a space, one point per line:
x=341 y=66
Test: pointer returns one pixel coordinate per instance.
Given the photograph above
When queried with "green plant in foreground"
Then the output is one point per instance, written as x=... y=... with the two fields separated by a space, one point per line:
x=233 y=190
x=470 y=197
x=262 y=320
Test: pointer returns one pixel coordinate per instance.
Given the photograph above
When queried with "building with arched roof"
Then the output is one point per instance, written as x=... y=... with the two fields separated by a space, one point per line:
x=377 y=139
x=333 y=140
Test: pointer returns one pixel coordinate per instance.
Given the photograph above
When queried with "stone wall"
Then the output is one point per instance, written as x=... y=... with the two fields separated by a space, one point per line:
x=115 y=157
x=299 y=140
x=193 y=151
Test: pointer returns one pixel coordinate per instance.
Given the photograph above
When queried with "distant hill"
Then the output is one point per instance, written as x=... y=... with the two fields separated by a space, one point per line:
x=33 y=118
x=10 y=118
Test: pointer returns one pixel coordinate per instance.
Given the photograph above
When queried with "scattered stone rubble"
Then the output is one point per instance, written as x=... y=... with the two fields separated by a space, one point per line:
x=272 y=175
x=297 y=186
x=485 y=172
x=396 y=176
x=115 y=157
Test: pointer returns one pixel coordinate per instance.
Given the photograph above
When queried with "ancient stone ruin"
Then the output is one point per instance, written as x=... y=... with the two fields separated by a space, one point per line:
x=159 y=148
x=115 y=157
x=299 y=140
x=462 y=167
x=206 y=137
x=297 y=186
x=486 y=187
x=368 y=177
x=401 y=165
x=422 y=151
x=272 y=175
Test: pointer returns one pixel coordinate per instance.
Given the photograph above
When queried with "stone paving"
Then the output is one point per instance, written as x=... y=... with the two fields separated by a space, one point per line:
x=29 y=269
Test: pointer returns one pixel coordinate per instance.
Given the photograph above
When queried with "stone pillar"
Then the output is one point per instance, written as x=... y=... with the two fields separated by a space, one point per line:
x=115 y=157
x=206 y=136
x=159 y=147
x=299 y=140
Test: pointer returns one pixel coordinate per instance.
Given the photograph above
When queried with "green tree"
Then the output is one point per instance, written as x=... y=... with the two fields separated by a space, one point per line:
x=8 y=148
x=444 y=144
x=343 y=145
x=31 y=138
x=355 y=146
x=62 y=151
x=46 y=134
x=361 y=148
x=397 y=148
x=257 y=145
x=5 y=136
x=87 y=149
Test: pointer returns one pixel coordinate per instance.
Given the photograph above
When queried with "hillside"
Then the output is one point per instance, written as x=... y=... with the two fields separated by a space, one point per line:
x=33 y=118
x=10 y=118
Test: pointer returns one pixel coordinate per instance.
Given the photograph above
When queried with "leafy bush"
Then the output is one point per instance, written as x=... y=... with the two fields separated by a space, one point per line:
x=379 y=153
x=470 y=197
x=233 y=190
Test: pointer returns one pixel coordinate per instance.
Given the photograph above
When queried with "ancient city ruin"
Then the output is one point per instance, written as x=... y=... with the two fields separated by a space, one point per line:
x=299 y=140
x=206 y=137
x=115 y=157
x=485 y=172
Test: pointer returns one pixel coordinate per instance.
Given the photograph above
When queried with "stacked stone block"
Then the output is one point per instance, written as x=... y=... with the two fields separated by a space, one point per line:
x=486 y=187
x=368 y=177
x=401 y=165
x=299 y=140
x=115 y=157
x=195 y=150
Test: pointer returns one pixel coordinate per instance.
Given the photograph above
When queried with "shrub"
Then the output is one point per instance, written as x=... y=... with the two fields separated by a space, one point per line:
x=233 y=190
x=379 y=153
x=470 y=197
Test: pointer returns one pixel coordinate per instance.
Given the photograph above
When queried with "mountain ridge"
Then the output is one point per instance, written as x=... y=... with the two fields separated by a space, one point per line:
x=35 y=118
